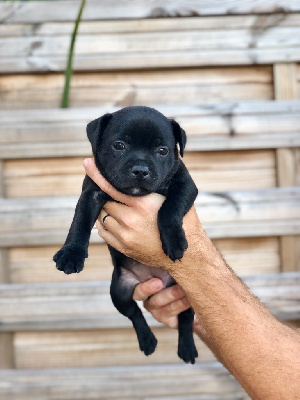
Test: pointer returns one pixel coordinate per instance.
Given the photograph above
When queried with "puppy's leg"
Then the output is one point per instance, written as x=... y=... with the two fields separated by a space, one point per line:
x=121 y=295
x=70 y=258
x=181 y=195
x=186 y=346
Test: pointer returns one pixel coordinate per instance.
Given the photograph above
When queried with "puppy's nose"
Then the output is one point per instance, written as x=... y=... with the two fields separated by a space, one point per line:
x=140 y=171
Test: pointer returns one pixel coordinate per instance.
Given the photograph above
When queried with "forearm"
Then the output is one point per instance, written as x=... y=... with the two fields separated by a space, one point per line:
x=255 y=347
x=260 y=352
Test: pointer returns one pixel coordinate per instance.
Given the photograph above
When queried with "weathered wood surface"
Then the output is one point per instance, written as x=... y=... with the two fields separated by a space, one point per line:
x=61 y=133
x=113 y=9
x=97 y=348
x=288 y=159
x=247 y=256
x=264 y=41
x=211 y=171
x=6 y=338
x=205 y=381
x=174 y=86
x=270 y=212
x=87 y=305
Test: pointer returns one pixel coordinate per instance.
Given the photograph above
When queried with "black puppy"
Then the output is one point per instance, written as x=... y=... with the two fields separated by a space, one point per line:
x=135 y=149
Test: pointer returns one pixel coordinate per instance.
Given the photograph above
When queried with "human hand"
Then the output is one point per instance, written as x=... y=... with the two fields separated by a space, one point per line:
x=164 y=304
x=131 y=227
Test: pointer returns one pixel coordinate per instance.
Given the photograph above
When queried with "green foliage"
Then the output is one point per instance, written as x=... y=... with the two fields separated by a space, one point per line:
x=69 y=69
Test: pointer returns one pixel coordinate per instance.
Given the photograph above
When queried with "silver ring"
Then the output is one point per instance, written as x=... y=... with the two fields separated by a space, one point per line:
x=103 y=221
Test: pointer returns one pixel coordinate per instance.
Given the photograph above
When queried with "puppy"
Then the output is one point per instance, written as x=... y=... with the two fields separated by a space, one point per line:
x=135 y=149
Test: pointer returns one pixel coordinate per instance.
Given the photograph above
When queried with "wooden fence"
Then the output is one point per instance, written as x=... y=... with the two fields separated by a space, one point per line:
x=229 y=73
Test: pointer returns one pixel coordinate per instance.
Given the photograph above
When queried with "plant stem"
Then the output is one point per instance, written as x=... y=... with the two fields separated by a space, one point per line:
x=69 y=70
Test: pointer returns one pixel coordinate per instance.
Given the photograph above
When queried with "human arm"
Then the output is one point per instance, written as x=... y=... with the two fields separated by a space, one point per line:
x=259 y=351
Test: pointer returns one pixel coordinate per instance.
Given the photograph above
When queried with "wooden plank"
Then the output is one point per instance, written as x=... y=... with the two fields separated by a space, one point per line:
x=213 y=171
x=298 y=79
x=96 y=348
x=2 y=186
x=285 y=83
x=4 y=268
x=87 y=305
x=196 y=142
x=6 y=338
x=288 y=167
x=202 y=380
x=249 y=256
x=46 y=28
x=263 y=43
x=270 y=212
x=290 y=253
x=192 y=86
x=113 y=9
x=37 y=118
x=34 y=264
x=158 y=59
x=7 y=354
x=56 y=133
x=114 y=45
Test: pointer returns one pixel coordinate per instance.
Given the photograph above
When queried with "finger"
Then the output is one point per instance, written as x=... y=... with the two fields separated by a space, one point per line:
x=170 y=310
x=110 y=224
x=117 y=210
x=166 y=297
x=146 y=289
x=108 y=236
x=93 y=172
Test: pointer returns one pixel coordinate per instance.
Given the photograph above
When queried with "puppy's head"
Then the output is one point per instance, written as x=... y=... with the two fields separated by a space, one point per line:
x=135 y=148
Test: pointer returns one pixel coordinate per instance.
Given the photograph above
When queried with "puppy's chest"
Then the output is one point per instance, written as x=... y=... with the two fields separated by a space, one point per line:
x=133 y=272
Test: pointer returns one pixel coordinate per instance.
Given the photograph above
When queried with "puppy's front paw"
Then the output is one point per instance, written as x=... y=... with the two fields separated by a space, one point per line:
x=70 y=260
x=174 y=242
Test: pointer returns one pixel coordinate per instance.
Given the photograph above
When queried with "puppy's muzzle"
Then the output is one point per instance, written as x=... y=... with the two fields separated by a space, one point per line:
x=140 y=172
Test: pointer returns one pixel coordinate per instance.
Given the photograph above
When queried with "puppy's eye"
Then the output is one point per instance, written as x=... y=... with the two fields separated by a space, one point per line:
x=163 y=151
x=118 y=145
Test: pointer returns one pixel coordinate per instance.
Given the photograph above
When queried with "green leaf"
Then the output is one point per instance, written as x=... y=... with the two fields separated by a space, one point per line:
x=69 y=69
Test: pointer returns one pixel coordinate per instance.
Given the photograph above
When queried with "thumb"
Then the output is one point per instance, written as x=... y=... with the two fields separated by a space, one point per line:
x=145 y=289
x=93 y=172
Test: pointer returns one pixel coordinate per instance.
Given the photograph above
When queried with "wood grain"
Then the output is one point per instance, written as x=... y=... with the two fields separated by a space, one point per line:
x=247 y=256
x=6 y=338
x=136 y=382
x=87 y=305
x=286 y=88
x=213 y=171
x=102 y=347
x=270 y=212
x=173 y=86
x=113 y=9
x=264 y=41
x=61 y=133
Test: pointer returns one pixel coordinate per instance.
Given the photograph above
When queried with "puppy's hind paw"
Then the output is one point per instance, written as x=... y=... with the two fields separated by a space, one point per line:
x=70 y=260
x=187 y=351
x=148 y=344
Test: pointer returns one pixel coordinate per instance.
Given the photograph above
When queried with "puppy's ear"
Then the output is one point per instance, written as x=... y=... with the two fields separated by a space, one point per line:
x=180 y=135
x=96 y=128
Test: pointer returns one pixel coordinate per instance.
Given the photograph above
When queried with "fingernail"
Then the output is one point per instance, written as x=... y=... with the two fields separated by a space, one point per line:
x=86 y=163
